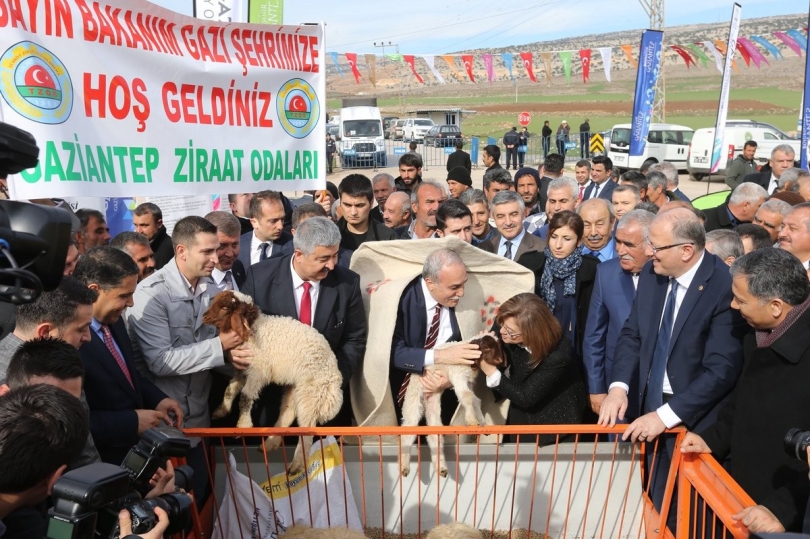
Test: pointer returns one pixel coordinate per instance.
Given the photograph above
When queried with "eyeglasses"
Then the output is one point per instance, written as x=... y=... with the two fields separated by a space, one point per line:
x=510 y=334
x=665 y=247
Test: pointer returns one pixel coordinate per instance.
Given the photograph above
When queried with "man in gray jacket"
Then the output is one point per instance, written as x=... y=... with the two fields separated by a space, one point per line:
x=178 y=349
x=742 y=165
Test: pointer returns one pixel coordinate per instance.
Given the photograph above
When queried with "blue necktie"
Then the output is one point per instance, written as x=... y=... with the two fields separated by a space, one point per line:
x=655 y=383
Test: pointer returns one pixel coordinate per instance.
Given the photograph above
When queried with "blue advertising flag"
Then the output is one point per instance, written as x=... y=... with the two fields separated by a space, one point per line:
x=507 y=61
x=646 y=79
x=805 y=112
x=770 y=47
x=334 y=57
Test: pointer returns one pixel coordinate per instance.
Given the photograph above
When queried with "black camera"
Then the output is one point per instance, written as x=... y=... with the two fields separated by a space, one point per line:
x=34 y=239
x=796 y=442
x=87 y=500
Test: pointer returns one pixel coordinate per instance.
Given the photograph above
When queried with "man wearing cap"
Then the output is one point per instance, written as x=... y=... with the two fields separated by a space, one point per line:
x=458 y=181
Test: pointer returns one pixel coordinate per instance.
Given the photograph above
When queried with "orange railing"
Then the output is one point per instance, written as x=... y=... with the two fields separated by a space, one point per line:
x=580 y=485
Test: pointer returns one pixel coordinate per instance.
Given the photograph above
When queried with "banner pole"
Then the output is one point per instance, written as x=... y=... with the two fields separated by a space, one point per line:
x=805 y=112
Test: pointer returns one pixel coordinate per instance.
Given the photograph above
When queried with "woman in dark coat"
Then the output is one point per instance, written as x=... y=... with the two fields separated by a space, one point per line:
x=540 y=376
x=564 y=277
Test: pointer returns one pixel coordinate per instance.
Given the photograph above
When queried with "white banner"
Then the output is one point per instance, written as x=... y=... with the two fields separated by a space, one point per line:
x=719 y=151
x=607 y=60
x=718 y=60
x=127 y=99
x=431 y=63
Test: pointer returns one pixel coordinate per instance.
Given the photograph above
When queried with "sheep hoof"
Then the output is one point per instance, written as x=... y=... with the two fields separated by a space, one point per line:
x=443 y=472
x=296 y=466
x=272 y=443
x=243 y=423
x=220 y=412
x=405 y=471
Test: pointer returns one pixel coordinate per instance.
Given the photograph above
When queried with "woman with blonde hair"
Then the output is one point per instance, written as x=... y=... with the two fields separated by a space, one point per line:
x=540 y=376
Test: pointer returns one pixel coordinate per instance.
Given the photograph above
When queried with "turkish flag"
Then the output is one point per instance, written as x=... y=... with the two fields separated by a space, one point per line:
x=468 y=65
x=352 y=58
x=409 y=59
x=529 y=63
x=585 y=58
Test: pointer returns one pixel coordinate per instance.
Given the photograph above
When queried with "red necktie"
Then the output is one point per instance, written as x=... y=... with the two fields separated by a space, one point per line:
x=305 y=316
x=430 y=342
x=108 y=340
x=581 y=192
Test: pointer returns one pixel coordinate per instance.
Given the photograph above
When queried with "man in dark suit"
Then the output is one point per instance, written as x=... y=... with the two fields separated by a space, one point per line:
x=684 y=340
x=229 y=272
x=309 y=285
x=459 y=158
x=513 y=241
x=613 y=293
x=782 y=157
x=147 y=219
x=771 y=292
x=426 y=317
x=601 y=185
x=122 y=403
x=510 y=141
x=267 y=215
x=741 y=207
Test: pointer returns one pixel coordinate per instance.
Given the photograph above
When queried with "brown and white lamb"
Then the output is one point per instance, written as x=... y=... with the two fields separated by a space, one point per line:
x=287 y=353
x=416 y=404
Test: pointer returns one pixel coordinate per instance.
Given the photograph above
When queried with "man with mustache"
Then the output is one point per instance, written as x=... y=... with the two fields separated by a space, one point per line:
x=229 y=272
x=137 y=246
x=597 y=213
x=613 y=293
x=425 y=200
x=794 y=235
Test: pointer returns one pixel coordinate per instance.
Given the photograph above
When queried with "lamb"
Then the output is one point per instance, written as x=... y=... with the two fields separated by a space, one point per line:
x=287 y=353
x=415 y=404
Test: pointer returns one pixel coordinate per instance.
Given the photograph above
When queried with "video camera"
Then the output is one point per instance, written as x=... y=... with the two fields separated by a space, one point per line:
x=34 y=239
x=86 y=501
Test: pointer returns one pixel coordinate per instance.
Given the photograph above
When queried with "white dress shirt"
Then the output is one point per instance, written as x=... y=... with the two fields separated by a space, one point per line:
x=445 y=328
x=515 y=244
x=665 y=413
x=218 y=276
x=298 y=291
x=773 y=184
x=256 y=248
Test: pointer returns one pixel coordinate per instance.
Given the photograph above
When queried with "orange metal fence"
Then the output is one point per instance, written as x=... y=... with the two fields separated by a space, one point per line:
x=579 y=485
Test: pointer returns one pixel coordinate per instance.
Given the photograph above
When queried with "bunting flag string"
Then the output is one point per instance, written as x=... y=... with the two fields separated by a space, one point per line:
x=683 y=54
x=798 y=38
x=528 y=63
x=752 y=49
x=352 y=59
x=431 y=63
x=409 y=59
x=628 y=51
x=371 y=65
x=585 y=60
x=546 y=56
x=488 y=65
x=744 y=53
x=507 y=61
x=770 y=47
x=334 y=57
x=696 y=51
x=607 y=59
x=565 y=56
x=395 y=57
x=450 y=60
x=468 y=65
x=787 y=40
x=718 y=60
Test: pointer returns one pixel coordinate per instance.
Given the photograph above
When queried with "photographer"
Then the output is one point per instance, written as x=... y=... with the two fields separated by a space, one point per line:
x=772 y=293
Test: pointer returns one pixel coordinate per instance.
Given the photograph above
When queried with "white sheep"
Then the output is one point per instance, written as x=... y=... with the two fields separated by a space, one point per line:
x=287 y=353
x=415 y=404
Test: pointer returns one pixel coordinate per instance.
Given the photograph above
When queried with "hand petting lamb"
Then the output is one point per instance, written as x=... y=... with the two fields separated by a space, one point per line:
x=287 y=353
x=416 y=404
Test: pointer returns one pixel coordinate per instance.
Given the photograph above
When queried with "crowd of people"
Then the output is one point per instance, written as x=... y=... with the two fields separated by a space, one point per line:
x=644 y=310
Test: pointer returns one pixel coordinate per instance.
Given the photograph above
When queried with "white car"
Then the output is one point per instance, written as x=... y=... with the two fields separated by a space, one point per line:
x=416 y=128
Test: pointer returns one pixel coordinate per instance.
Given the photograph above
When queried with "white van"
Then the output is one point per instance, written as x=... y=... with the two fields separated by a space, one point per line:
x=361 y=142
x=736 y=134
x=665 y=142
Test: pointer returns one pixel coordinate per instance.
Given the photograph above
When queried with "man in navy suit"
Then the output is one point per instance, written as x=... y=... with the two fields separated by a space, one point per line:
x=426 y=317
x=601 y=185
x=309 y=285
x=228 y=272
x=612 y=298
x=267 y=215
x=122 y=403
x=683 y=341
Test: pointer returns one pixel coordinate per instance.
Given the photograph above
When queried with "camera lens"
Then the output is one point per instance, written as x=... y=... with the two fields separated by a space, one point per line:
x=796 y=442
x=183 y=476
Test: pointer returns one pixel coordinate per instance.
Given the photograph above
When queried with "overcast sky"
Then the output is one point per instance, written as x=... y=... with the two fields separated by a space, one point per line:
x=444 y=26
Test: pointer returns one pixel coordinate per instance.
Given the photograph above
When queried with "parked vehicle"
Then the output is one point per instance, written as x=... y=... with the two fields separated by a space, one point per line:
x=334 y=130
x=361 y=140
x=388 y=121
x=416 y=128
x=736 y=134
x=443 y=135
x=665 y=142
x=395 y=130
